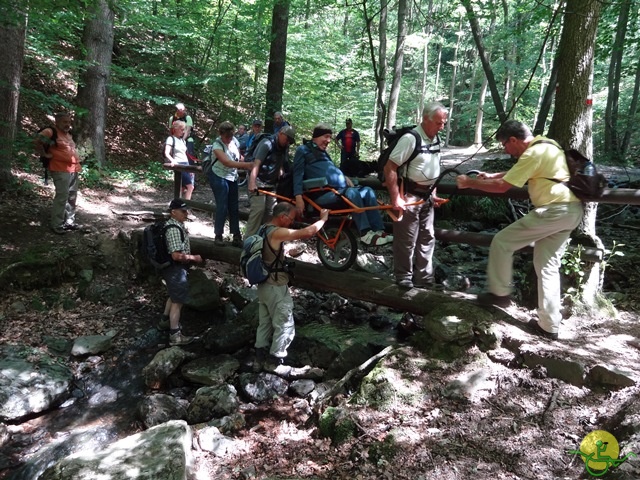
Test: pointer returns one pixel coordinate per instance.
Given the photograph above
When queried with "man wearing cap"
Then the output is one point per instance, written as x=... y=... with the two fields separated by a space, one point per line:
x=348 y=140
x=313 y=161
x=181 y=114
x=271 y=163
x=175 y=275
x=256 y=129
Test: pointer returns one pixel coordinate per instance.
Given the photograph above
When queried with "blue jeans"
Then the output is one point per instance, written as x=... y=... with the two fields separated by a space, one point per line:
x=361 y=197
x=225 y=193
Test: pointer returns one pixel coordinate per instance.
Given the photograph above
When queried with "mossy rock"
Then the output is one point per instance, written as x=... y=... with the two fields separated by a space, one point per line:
x=337 y=425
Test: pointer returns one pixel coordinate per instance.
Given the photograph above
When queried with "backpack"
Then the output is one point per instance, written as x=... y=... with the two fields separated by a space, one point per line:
x=391 y=138
x=207 y=159
x=44 y=160
x=252 y=265
x=584 y=180
x=154 y=244
x=173 y=146
x=270 y=168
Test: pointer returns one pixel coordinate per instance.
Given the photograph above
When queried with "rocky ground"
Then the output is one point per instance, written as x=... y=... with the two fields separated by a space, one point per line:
x=512 y=422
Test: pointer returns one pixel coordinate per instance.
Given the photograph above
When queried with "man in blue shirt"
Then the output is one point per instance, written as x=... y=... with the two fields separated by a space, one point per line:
x=313 y=161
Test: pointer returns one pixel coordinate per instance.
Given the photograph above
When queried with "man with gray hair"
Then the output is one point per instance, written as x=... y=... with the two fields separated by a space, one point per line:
x=409 y=181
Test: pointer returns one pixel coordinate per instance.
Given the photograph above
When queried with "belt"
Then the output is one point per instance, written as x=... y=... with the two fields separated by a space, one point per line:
x=418 y=189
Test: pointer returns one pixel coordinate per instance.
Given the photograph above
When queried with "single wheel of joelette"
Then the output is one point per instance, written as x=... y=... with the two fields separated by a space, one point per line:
x=337 y=252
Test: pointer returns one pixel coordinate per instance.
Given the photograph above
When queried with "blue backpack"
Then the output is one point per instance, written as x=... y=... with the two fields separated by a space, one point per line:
x=252 y=265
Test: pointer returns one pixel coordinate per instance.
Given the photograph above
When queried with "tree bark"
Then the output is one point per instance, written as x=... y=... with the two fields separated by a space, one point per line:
x=379 y=66
x=398 y=62
x=452 y=88
x=277 y=60
x=13 y=22
x=572 y=119
x=611 y=136
x=484 y=58
x=93 y=91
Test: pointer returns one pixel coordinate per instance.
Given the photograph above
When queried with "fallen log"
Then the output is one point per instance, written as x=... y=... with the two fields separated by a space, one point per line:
x=352 y=284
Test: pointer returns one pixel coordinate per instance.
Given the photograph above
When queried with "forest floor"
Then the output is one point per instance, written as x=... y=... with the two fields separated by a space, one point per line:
x=522 y=427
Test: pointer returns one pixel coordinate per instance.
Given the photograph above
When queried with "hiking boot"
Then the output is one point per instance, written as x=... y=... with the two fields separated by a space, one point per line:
x=71 y=226
x=388 y=237
x=237 y=241
x=218 y=241
x=374 y=239
x=276 y=366
x=405 y=283
x=163 y=324
x=177 y=339
x=58 y=230
x=488 y=298
x=535 y=326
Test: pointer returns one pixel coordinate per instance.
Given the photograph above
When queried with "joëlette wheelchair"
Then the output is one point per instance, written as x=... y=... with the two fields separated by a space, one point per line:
x=336 y=242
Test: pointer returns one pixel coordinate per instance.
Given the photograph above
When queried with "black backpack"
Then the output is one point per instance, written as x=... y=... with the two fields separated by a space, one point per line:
x=44 y=160
x=391 y=138
x=154 y=244
x=584 y=180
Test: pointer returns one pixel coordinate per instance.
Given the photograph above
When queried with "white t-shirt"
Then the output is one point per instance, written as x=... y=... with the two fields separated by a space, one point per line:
x=233 y=153
x=425 y=168
x=179 y=150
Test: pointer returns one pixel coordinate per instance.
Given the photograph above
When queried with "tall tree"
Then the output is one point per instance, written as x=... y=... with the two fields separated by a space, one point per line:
x=572 y=120
x=379 y=64
x=277 y=59
x=398 y=62
x=93 y=93
x=13 y=21
x=611 y=136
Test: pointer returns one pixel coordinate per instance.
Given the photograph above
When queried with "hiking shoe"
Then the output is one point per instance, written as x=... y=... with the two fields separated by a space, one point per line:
x=71 y=226
x=258 y=362
x=178 y=339
x=387 y=236
x=237 y=241
x=218 y=241
x=488 y=298
x=163 y=324
x=535 y=326
x=276 y=366
x=405 y=283
x=373 y=239
x=58 y=230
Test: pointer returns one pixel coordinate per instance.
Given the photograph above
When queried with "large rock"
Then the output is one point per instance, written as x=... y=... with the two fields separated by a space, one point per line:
x=204 y=294
x=160 y=408
x=211 y=402
x=210 y=370
x=163 y=364
x=30 y=382
x=92 y=344
x=162 y=452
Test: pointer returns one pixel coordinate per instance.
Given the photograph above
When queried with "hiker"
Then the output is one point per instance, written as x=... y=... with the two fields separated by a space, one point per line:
x=313 y=161
x=557 y=212
x=56 y=144
x=175 y=153
x=348 y=140
x=256 y=129
x=187 y=134
x=223 y=179
x=242 y=136
x=410 y=182
x=272 y=153
x=276 y=327
x=175 y=275
x=278 y=122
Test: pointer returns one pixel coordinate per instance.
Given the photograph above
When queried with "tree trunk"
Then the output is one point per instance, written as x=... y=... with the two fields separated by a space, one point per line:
x=633 y=109
x=572 y=119
x=484 y=58
x=398 y=62
x=425 y=62
x=12 y=36
x=277 y=60
x=547 y=98
x=477 y=136
x=611 y=136
x=93 y=94
x=452 y=89
x=379 y=66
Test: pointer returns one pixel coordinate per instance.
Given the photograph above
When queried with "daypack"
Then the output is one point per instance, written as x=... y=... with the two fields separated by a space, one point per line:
x=154 y=244
x=252 y=265
x=391 y=138
x=44 y=160
x=173 y=146
x=584 y=180
x=207 y=159
x=270 y=168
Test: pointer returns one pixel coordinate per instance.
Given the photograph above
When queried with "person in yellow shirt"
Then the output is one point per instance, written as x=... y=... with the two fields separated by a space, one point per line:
x=548 y=226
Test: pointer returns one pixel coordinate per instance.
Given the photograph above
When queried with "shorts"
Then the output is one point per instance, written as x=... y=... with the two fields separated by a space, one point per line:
x=188 y=178
x=175 y=277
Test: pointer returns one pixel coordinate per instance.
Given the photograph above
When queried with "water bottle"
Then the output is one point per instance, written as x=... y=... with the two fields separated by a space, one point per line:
x=589 y=170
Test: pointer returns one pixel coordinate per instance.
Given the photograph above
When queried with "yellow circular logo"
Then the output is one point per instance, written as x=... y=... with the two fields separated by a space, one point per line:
x=599 y=449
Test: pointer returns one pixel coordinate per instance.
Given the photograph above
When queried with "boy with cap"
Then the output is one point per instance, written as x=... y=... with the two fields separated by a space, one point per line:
x=175 y=275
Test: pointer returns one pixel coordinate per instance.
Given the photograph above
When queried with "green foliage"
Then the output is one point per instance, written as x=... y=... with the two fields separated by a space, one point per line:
x=336 y=424
x=572 y=267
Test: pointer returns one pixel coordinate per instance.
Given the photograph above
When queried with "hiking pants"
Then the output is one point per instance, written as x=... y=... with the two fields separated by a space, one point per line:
x=63 y=211
x=276 y=327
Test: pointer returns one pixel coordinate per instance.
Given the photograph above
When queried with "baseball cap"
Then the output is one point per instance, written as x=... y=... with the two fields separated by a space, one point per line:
x=289 y=132
x=178 y=204
x=180 y=106
x=257 y=121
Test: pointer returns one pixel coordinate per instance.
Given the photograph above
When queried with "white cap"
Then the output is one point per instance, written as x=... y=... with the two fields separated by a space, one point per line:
x=180 y=106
